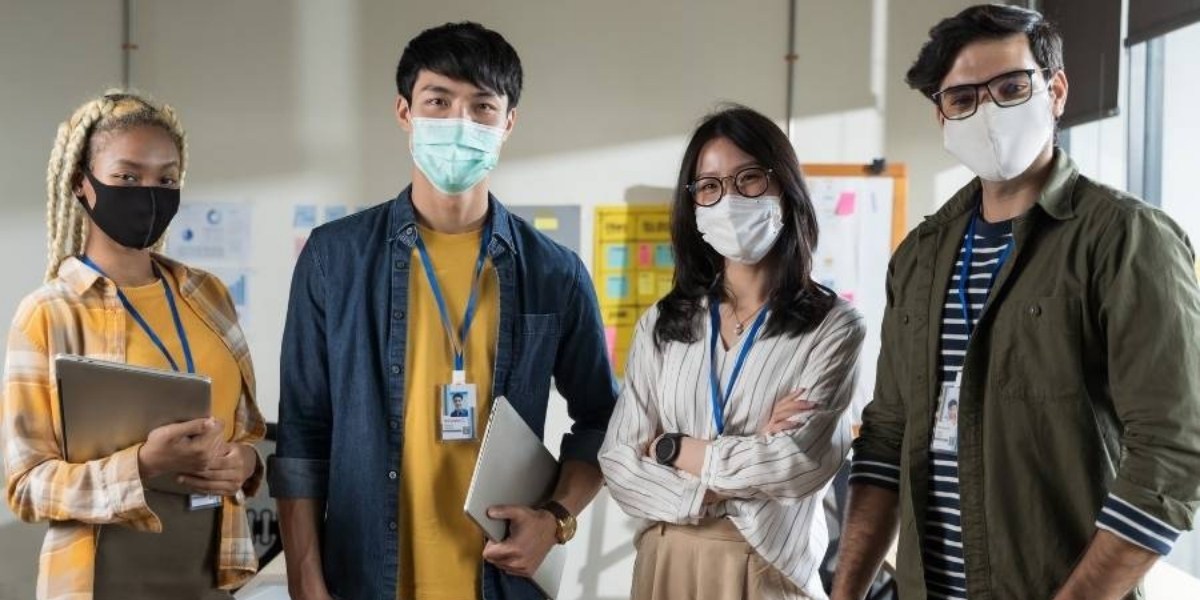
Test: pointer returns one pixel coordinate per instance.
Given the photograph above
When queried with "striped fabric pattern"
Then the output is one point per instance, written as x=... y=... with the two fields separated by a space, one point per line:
x=775 y=483
x=79 y=313
x=945 y=567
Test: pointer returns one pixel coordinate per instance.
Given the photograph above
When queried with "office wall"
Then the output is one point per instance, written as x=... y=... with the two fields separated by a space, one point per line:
x=291 y=103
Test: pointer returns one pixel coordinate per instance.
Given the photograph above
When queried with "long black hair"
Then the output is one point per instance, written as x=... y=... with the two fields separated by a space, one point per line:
x=797 y=303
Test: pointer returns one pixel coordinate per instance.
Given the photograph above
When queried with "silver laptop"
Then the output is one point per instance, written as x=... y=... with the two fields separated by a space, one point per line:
x=514 y=468
x=108 y=406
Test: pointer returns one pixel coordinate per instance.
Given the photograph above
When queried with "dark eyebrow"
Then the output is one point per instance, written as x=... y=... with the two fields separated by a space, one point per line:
x=129 y=164
x=435 y=88
x=438 y=89
x=736 y=170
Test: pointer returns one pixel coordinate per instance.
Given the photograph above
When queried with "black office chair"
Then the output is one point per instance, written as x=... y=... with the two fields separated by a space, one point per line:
x=262 y=512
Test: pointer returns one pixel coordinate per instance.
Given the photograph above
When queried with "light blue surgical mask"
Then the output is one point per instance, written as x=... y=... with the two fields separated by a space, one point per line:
x=455 y=154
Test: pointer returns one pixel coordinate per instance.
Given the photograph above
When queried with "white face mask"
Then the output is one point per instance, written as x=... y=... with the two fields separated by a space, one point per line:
x=999 y=144
x=741 y=229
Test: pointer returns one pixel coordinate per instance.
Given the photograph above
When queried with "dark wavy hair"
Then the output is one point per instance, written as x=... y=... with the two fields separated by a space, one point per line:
x=982 y=22
x=797 y=303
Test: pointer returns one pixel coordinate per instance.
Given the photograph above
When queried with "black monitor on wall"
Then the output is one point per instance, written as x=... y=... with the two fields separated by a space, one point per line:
x=1092 y=54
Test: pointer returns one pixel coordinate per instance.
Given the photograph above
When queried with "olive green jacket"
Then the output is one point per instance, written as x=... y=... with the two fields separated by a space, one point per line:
x=1081 y=379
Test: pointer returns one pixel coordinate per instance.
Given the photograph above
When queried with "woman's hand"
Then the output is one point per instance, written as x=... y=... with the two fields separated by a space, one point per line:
x=179 y=447
x=227 y=471
x=790 y=412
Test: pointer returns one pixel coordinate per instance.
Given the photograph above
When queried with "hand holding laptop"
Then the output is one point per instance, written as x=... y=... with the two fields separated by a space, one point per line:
x=180 y=447
x=531 y=536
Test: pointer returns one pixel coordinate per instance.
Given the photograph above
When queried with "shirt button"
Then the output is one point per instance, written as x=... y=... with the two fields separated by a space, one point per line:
x=400 y=265
x=1035 y=311
x=392 y=475
x=395 y=369
x=394 y=425
x=905 y=319
x=397 y=314
x=392 y=525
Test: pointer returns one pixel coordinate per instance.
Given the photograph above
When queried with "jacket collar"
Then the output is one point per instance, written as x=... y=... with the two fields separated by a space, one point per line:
x=1057 y=198
x=402 y=220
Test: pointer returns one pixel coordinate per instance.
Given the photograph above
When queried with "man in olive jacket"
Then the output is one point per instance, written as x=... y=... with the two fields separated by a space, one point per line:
x=1035 y=429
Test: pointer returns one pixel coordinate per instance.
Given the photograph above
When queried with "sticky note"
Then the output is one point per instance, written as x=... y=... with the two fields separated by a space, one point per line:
x=645 y=284
x=663 y=257
x=610 y=336
x=545 y=223
x=645 y=255
x=616 y=287
x=616 y=256
x=664 y=283
x=845 y=204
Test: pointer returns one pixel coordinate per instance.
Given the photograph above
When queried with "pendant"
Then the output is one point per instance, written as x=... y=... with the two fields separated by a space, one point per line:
x=738 y=329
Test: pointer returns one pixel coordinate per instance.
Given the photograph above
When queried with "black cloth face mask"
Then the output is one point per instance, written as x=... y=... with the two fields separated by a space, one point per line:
x=133 y=216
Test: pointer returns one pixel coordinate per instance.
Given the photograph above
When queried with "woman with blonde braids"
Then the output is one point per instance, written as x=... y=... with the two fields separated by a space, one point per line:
x=113 y=186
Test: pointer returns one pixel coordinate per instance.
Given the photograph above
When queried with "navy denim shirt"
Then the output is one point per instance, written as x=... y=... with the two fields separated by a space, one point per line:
x=341 y=412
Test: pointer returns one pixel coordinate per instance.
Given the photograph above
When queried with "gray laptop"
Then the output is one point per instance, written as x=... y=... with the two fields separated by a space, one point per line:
x=514 y=468
x=108 y=406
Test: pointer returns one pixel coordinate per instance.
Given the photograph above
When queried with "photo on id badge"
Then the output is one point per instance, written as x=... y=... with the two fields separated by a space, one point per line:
x=458 y=412
x=945 y=428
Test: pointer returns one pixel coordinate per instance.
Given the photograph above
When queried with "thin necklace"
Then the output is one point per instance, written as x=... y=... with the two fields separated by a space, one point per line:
x=740 y=324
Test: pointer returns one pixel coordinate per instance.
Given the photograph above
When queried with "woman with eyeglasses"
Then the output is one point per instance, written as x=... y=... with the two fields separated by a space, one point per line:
x=733 y=418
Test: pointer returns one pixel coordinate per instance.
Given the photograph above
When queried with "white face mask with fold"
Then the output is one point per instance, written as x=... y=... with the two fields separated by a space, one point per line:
x=741 y=229
x=998 y=143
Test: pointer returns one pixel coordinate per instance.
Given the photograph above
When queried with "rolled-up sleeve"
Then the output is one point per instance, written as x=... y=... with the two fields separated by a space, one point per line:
x=582 y=372
x=300 y=467
x=1150 y=315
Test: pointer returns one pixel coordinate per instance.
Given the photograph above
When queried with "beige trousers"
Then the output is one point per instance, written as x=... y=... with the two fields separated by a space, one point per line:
x=709 y=561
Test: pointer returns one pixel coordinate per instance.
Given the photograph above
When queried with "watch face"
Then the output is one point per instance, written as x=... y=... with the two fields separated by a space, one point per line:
x=664 y=450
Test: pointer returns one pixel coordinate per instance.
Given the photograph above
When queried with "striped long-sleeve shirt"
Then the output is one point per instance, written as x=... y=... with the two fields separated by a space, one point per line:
x=79 y=313
x=775 y=484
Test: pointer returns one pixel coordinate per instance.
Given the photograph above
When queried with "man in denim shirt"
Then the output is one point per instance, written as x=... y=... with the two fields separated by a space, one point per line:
x=397 y=312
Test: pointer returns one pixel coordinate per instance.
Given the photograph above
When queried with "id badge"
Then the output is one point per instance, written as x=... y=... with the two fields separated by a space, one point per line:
x=458 y=412
x=203 y=501
x=945 y=426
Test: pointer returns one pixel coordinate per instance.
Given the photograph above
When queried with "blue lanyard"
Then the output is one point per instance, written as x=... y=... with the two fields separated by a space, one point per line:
x=964 y=272
x=133 y=312
x=457 y=342
x=719 y=400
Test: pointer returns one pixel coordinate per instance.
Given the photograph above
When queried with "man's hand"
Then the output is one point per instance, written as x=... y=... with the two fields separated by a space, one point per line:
x=531 y=535
x=228 y=469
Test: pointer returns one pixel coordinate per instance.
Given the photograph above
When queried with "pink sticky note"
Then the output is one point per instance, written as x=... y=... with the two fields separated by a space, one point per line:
x=645 y=255
x=610 y=335
x=845 y=205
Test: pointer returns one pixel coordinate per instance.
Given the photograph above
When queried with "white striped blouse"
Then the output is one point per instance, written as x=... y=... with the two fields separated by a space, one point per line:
x=775 y=483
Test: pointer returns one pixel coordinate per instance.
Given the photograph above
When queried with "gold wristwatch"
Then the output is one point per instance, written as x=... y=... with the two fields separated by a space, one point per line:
x=566 y=524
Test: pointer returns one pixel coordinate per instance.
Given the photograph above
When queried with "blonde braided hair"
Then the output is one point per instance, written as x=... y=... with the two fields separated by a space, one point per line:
x=75 y=145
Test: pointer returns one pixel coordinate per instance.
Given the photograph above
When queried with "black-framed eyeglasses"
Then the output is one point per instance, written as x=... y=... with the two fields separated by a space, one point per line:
x=1010 y=89
x=750 y=182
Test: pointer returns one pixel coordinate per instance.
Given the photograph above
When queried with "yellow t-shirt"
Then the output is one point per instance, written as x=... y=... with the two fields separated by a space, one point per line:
x=211 y=356
x=440 y=549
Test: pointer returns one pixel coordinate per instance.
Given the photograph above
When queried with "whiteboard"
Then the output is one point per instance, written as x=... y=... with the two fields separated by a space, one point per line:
x=857 y=217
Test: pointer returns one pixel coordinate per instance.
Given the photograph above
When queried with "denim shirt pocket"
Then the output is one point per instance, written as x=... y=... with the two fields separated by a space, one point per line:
x=536 y=351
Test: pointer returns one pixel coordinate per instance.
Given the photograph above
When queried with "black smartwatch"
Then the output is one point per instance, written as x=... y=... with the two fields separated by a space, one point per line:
x=667 y=448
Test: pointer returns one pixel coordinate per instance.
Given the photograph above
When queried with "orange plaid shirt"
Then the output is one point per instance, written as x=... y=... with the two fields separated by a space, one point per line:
x=79 y=313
